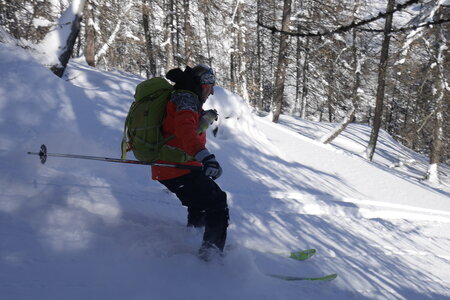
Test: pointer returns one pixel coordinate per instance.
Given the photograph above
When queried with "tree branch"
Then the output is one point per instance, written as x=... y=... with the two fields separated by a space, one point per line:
x=344 y=28
x=414 y=27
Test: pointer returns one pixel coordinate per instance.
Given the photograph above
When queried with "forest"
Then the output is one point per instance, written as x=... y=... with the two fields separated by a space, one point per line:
x=383 y=63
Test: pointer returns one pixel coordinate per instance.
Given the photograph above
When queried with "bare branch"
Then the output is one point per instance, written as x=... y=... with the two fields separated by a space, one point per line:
x=414 y=27
x=344 y=28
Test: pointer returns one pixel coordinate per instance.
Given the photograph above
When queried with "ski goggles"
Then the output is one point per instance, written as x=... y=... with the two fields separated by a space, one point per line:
x=208 y=77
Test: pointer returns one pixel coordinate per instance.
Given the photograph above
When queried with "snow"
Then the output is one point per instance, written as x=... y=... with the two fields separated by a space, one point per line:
x=38 y=22
x=80 y=229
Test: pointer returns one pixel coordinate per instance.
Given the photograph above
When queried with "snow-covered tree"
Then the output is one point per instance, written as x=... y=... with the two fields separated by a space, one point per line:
x=59 y=43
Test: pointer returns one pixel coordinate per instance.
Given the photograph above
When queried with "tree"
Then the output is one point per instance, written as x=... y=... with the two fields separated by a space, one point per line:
x=258 y=98
x=63 y=39
x=90 y=33
x=305 y=70
x=122 y=15
x=188 y=36
x=382 y=69
x=238 y=59
x=150 y=70
x=169 y=31
x=441 y=89
x=280 y=74
x=329 y=137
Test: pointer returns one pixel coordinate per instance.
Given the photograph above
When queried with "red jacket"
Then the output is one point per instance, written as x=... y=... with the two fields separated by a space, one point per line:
x=182 y=116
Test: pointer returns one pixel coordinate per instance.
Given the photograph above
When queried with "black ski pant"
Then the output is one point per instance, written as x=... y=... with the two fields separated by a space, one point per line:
x=203 y=197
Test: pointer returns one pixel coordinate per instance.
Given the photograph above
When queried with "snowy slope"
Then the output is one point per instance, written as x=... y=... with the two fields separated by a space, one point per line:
x=77 y=229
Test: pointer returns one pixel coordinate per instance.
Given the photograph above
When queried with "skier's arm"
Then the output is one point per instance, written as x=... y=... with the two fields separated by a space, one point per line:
x=186 y=123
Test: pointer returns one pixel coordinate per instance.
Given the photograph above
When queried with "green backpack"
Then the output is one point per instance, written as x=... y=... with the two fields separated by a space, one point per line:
x=142 y=133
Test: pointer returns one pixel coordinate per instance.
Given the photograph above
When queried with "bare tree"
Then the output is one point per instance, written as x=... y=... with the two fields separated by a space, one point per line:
x=122 y=16
x=90 y=33
x=382 y=69
x=329 y=137
x=259 y=49
x=305 y=70
x=188 y=36
x=280 y=74
x=238 y=57
x=169 y=34
x=150 y=70
x=440 y=83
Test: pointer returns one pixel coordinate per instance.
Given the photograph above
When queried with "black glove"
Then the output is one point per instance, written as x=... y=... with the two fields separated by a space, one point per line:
x=211 y=166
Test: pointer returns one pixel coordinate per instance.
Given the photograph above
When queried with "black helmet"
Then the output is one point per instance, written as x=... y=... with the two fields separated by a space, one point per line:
x=204 y=74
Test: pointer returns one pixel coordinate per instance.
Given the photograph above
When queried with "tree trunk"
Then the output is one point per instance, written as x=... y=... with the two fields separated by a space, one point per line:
x=304 y=81
x=178 y=57
x=66 y=53
x=331 y=82
x=438 y=134
x=381 y=82
x=298 y=72
x=151 y=68
x=234 y=71
x=168 y=35
x=260 y=77
x=104 y=49
x=208 y=47
x=241 y=50
x=280 y=74
x=187 y=34
x=90 y=34
x=328 y=138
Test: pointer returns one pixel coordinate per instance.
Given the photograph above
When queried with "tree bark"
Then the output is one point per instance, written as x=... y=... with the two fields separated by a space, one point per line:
x=438 y=134
x=151 y=68
x=241 y=47
x=260 y=77
x=168 y=35
x=187 y=33
x=298 y=72
x=90 y=34
x=208 y=46
x=304 y=81
x=381 y=83
x=280 y=74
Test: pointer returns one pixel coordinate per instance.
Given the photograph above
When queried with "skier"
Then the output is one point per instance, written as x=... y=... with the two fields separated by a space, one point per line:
x=206 y=203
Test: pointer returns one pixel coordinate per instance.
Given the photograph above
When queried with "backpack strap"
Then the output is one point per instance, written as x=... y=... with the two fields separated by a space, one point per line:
x=126 y=145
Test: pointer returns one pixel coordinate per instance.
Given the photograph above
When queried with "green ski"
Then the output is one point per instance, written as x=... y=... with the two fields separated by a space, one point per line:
x=301 y=256
x=298 y=278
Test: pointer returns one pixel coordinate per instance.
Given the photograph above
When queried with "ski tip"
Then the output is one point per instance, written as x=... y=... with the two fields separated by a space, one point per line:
x=329 y=277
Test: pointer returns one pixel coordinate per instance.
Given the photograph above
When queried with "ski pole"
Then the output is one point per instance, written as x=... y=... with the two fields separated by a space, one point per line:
x=43 y=157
